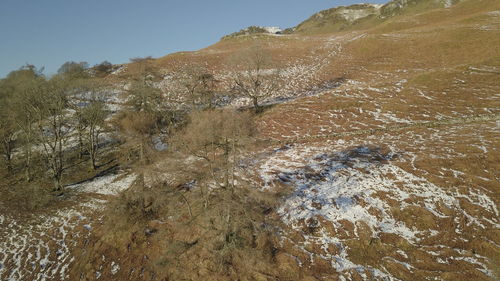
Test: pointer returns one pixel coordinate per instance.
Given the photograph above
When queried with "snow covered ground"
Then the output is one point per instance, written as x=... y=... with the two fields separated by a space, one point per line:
x=106 y=185
x=345 y=195
x=40 y=247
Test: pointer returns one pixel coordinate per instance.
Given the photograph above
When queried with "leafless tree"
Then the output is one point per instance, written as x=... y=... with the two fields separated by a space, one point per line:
x=199 y=85
x=217 y=136
x=144 y=97
x=7 y=135
x=137 y=129
x=254 y=75
x=93 y=118
x=22 y=86
x=53 y=124
x=74 y=69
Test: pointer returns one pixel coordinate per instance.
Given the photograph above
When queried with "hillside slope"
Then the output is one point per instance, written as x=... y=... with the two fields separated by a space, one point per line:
x=385 y=131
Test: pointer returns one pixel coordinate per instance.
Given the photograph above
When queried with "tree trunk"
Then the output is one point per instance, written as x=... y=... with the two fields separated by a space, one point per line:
x=8 y=160
x=93 y=150
x=7 y=153
x=57 y=183
x=28 y=163
x=81 y=145
x=256 y=105
x=28 y=151
x=141 y=152
x=93 y=162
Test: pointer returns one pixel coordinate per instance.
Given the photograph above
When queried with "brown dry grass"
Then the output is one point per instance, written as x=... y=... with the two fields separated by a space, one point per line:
x=152 y=233
x=166 y=232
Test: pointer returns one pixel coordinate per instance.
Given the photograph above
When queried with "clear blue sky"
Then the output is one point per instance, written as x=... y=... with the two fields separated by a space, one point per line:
x=50 y=32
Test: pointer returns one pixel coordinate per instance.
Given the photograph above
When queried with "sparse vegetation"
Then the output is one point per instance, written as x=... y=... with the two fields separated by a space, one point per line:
x=199 y=86
x=255 y=75
x=103 y=69
x=39 y=121
x=92 y=124
x=161 y=171
x=246 y=31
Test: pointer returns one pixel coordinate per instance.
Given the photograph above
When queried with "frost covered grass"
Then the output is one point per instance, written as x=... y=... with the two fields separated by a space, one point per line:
x=111 y=184
x=39 y=247
x=354 y=208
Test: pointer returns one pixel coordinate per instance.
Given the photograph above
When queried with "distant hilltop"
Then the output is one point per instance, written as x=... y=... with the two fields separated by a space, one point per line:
x=255 y=30
x=353 y=17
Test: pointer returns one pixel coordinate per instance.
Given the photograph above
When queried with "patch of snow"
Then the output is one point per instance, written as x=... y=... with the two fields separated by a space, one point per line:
x=158 y=143
x=272 y=29
x=107 y=185
x=494 y=13
x=40 y=247
x=114 y=268
x=119 y=70
x=483 y=268
x=447 y=3
x=354 y=14
x=402 y=253
x=356 y=185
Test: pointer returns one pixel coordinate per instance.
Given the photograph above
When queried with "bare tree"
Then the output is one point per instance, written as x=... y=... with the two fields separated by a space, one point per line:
x=217 y=136
x=7 y=134
x=144 y=97
x=198 y=84
x=90 y=123
x=22 y=86
x=74 y=69
x=142 y=68
x=137 y=128
x=104 y=68
x=53 y=124
x=80 y=127
x=93 y=120
x=254 y=75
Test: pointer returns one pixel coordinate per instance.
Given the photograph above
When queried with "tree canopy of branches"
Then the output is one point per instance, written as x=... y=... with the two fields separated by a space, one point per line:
x=103 y=68
x=141 y=68
x=75 y=69
x=254 y=75
x=17 y=92
x=217 y=137
x=137 y=129
x=40 y=115
x=144 y=97
x=7 y=133
x=199 y=85
x=53 y=124
x=91 y=123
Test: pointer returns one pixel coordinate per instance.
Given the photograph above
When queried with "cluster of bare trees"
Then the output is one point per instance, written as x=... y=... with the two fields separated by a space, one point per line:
x=216 y=137
x=46 y=117
x=212 y=189
x=61 y=119
x=41 y=118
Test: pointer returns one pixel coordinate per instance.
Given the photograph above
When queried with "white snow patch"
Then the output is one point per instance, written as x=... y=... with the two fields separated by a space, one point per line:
x=272 y=29
x=114 y=268
x=40 y=248
x=355 y=185
x=354 y=14
x=107 y=185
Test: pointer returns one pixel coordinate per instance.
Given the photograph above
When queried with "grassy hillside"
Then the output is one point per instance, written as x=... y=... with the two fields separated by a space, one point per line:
x=376 y=158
